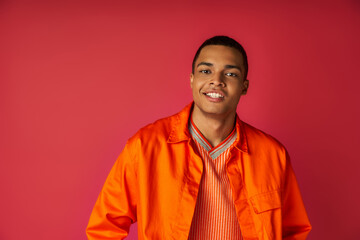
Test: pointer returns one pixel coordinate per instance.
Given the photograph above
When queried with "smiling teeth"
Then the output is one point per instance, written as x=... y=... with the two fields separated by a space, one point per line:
x=215 y=95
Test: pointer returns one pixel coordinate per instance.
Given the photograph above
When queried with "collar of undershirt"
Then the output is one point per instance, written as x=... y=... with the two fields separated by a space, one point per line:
x=214 y=152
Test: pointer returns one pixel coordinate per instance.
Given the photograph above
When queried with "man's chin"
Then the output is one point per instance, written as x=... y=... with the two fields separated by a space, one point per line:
x=215 y=111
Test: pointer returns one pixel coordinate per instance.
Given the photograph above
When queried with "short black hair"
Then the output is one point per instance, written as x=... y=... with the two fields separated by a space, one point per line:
x=224 y=41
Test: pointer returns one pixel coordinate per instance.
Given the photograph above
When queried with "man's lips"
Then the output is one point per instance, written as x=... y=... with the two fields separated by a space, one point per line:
x=214 y=94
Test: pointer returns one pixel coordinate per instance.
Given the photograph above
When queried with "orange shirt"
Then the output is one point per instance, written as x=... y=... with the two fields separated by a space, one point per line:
x=215 y=215
x=156 y=179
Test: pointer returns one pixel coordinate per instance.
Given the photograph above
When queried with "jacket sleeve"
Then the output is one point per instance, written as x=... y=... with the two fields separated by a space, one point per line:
x=295 y=222
x=115 y=208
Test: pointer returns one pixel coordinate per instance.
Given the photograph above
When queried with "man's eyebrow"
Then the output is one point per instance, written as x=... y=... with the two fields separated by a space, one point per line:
x=206 y=64
x=226 y=66
x=232 y=66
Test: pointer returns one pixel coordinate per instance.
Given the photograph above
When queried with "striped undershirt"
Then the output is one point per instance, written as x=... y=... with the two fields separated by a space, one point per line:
x=215 y=214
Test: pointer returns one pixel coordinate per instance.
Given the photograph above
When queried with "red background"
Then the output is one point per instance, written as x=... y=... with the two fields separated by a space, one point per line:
x=78 y=78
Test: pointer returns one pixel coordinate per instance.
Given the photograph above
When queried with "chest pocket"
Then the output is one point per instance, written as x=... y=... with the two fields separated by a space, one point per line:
x=266 y=201
x=267 y=207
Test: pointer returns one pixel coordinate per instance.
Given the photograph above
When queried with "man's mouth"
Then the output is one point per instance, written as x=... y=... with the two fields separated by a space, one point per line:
x=214 y=95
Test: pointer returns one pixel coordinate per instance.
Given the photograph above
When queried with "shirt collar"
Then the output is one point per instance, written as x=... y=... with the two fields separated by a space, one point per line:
x=180 y=129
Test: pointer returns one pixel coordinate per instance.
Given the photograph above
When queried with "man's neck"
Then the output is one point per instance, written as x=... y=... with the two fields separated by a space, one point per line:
x=213 y=127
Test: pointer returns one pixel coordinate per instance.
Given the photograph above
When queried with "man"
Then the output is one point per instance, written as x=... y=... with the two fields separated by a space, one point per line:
x=203 y=173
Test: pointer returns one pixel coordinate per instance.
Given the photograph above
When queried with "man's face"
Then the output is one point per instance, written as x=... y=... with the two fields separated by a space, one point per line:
x=218 y=80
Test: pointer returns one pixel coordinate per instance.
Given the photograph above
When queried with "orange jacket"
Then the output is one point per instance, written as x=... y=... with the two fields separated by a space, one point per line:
x=155 y=181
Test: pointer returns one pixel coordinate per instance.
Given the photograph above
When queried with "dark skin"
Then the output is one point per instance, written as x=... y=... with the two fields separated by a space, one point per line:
x=217 y=84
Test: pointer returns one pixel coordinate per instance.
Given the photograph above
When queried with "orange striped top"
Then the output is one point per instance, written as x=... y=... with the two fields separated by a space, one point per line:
x=215 y=216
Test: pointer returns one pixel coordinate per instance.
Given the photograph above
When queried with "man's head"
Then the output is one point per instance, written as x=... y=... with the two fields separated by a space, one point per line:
x=218 y=78
x=224 y=41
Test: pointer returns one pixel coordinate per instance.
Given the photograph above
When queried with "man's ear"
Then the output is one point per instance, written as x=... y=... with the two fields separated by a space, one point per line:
x=246 y=86
x=191 y=79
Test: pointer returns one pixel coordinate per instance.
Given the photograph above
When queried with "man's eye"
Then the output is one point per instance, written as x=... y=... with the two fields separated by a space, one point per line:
x=205 y=71
x=231 y=74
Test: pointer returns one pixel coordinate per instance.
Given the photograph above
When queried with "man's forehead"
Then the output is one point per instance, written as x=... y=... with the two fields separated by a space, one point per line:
x=212 y=53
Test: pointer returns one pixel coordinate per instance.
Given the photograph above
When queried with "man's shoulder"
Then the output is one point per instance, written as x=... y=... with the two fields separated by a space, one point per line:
x=257 y=138
x=162 y=129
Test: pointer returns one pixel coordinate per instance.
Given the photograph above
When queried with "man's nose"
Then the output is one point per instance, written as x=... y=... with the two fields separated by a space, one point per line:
x=218 y=80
